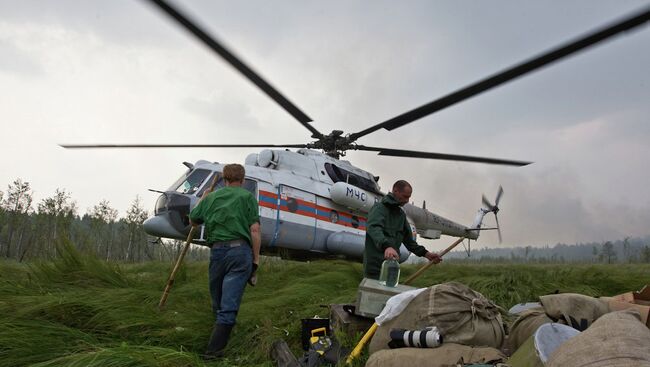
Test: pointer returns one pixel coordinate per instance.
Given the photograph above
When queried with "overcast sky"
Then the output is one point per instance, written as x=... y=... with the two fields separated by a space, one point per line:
x=121 y=72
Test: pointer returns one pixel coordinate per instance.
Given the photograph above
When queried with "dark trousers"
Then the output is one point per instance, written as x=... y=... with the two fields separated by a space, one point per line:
x=230 y=268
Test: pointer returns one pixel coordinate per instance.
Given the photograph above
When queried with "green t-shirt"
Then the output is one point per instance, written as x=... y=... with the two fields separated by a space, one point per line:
x=227 y=214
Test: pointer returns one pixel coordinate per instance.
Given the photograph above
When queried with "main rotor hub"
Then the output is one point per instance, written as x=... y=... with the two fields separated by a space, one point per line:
x=333 y=144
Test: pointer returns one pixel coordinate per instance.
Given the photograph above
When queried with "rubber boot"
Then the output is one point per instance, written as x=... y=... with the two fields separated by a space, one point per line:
x=218 y=341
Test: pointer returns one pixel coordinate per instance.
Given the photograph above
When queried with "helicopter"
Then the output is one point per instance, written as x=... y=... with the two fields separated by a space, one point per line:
x=312 y=202
x=311 y=205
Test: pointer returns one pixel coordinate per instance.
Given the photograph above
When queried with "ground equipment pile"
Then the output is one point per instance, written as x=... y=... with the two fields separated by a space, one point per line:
x=568 y=330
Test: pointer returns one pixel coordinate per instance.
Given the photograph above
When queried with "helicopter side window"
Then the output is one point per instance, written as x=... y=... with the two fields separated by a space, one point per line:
x=355 y=221
x=338 y=174
x=191 y=183
x=292 y=205
x=251 y=186
x=353 y=180
x=334 y=216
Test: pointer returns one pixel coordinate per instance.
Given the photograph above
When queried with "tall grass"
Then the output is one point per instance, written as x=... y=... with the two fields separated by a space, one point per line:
x=80 y=311
x=73 y=268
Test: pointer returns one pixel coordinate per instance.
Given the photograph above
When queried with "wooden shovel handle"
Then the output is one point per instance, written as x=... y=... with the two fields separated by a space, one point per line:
x=428 y=265
x=170 y=282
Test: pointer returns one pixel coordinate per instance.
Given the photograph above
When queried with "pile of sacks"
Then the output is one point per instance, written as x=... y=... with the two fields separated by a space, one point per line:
x=472 y=332
x=471 y=327
x=605 y=334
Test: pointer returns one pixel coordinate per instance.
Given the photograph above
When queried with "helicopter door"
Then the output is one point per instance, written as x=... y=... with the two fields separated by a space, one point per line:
x=297 y=218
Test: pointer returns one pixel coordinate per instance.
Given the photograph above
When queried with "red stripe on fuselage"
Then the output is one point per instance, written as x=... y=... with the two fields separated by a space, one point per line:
x=267 y=205
x=284 y=208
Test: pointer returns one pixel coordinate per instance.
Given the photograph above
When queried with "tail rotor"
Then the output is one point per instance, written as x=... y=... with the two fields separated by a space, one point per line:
x=489 y=208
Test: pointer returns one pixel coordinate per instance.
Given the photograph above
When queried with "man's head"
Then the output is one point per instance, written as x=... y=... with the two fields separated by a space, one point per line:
x=402 y=191
x=233 y=173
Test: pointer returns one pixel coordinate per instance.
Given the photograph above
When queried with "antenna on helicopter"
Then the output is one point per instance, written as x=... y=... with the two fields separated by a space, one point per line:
x=494 y=208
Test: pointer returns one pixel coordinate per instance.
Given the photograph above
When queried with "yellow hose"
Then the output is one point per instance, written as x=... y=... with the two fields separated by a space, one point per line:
x=356 y=352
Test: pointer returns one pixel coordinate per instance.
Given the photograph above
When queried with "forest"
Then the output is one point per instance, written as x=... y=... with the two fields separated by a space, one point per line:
x=36 y=230
x=30 y=230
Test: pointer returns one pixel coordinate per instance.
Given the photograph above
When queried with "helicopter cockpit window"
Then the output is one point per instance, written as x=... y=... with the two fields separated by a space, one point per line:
x=249 y=185
x=208 y=183
x=190 y=183
x=161 y=204
x=338 y=174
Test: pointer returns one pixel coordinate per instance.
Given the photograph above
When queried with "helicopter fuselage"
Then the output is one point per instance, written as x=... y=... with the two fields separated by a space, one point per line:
x=311 y=205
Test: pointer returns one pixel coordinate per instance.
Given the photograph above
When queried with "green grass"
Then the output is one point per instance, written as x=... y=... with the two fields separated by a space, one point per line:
x=80 y=311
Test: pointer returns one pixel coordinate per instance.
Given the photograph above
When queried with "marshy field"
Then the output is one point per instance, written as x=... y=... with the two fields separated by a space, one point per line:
x=81 y=311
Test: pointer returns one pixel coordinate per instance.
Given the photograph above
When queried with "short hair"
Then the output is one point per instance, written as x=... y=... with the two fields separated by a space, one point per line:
x=234 y=172
x=400 y=185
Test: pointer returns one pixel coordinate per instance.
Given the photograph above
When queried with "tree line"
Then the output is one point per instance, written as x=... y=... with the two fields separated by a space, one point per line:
x=31 y=230
x=627 y=250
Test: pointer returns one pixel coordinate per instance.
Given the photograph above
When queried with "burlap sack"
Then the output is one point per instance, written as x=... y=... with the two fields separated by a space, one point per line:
x=525 y=326
x=576 y=310
x=447 y=355
x=617 y=339
x=526 y=355
x=462 y=315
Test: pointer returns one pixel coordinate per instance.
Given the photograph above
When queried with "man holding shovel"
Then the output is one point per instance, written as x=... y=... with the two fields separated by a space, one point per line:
x=231 y=219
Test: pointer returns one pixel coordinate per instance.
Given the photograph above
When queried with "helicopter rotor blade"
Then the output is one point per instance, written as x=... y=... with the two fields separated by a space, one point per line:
x=238 y=64
x=499 y=194
x=441 y=156
x=512 y=73
x=498 y=228
x=487 y=203
x=108 y=146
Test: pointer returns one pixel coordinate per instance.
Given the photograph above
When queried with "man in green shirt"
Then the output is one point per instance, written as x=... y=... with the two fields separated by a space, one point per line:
x=231 y=219
x=387 y=228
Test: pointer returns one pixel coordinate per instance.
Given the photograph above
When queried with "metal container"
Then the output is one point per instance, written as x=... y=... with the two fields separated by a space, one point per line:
x=372 y=297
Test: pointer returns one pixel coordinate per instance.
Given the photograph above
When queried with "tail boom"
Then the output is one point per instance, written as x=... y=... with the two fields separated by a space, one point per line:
x=431 y=226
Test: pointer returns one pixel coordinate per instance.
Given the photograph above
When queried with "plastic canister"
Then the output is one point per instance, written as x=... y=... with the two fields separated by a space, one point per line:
x=389 y=275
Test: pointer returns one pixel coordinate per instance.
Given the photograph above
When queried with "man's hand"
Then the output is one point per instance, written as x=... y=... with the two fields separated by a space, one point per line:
x=390 y=253
x=256 y=236
x=433 y=257
x=253 y=278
